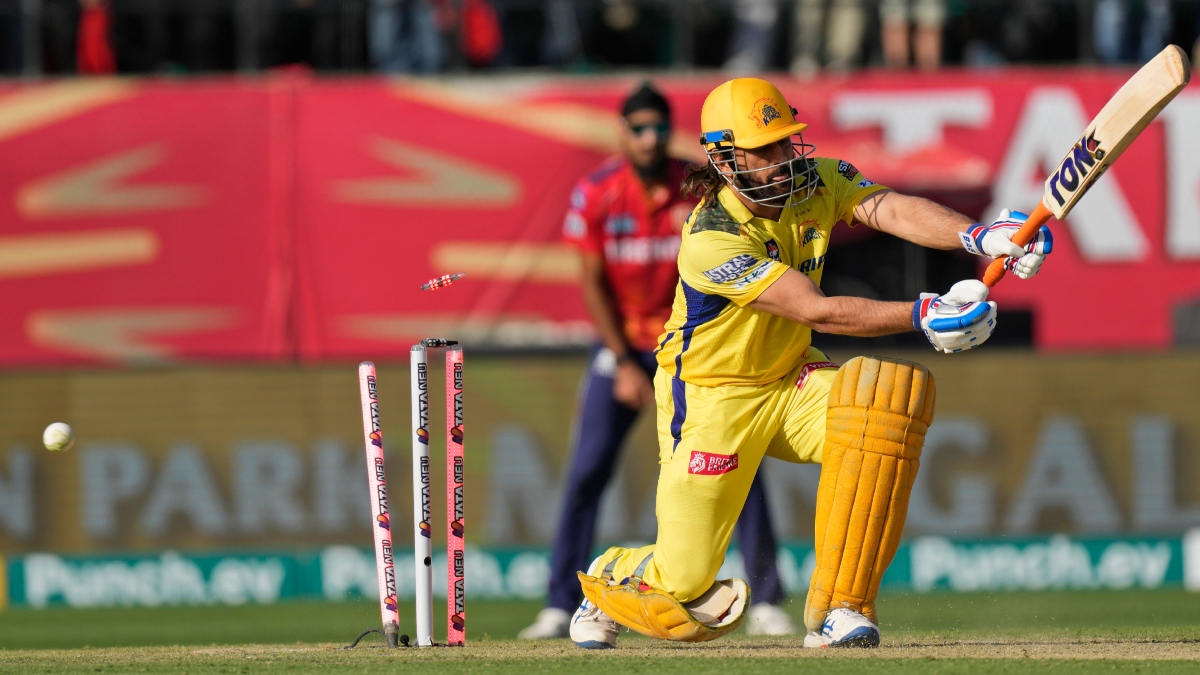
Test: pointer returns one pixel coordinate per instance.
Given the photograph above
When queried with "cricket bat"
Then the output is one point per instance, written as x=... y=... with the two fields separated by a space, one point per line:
x=1126 y=114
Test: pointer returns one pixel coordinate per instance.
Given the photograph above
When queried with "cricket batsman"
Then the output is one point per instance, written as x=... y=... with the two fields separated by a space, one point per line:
x=739 y=379
x=625 y=218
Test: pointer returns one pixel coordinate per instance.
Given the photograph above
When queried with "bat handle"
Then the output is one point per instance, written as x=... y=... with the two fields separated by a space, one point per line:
x=995 y=271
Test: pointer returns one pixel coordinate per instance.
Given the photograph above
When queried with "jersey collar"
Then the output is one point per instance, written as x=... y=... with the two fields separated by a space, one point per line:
x=734 y=206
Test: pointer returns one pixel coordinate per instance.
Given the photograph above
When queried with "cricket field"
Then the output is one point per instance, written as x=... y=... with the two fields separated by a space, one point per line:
x=1072 y=632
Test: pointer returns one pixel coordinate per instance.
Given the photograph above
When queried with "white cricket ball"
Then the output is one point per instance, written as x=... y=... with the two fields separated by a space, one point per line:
x=58 y=437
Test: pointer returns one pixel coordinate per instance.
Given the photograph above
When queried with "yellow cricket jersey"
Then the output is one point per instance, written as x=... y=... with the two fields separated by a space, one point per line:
x=728 y=257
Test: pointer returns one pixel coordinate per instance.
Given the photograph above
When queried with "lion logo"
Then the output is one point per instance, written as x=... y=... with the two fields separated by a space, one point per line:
x=764 y=112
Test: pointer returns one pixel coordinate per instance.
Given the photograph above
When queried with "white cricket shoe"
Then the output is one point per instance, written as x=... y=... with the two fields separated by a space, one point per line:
x=550 y=623
x=592 y=629
x=844 y=628
x=765 y=619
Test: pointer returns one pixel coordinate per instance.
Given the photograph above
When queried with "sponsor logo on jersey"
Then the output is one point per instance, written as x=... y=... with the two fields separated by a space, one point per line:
x=808 y=368
x=711 y=464
x=574 y=225
x=578 y=199
x=730 y=270
x=810 y=234
x=864 y=183
x=755 y=274
x=620 y=223
x=772 y=249
x=847 y=170
x=641 y=250
x=812 y=264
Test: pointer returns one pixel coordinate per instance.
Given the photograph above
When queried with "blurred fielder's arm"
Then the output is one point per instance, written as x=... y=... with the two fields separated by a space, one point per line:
x=631 y=386
x=600 y=303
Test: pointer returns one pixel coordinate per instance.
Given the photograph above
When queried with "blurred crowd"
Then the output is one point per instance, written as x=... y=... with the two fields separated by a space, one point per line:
x=429 y=36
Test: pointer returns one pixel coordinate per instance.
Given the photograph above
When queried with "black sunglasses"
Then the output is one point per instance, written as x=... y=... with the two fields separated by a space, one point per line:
x=659 y=128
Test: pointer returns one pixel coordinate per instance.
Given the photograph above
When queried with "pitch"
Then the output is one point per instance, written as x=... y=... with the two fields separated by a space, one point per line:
x=1131 y=631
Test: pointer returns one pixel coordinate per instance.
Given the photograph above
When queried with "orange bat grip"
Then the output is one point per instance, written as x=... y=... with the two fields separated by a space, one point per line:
x=995 y=271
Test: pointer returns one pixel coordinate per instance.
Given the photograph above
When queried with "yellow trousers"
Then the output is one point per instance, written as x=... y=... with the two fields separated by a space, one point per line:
x=711 y=441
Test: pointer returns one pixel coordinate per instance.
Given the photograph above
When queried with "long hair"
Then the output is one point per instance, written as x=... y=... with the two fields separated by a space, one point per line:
x=703 y=181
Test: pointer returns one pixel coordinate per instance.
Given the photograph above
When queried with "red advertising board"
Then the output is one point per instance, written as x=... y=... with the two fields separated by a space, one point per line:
x=140 y=222
x=286 y=217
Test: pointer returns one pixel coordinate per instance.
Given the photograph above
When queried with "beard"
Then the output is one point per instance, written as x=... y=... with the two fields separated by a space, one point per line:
x=770 y=187
x=653 y=170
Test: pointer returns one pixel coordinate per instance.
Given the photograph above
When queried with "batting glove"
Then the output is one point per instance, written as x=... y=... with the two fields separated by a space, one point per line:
x=959 y=320
x=995 y=241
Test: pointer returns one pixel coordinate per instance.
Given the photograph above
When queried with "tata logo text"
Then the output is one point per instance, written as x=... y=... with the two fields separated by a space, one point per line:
x=422 y=404
x=381 y=493
x=458 y=404
x=389 y=577
x=1075 y=168
x=424 y=479
x=458 y=503
x=460 y=597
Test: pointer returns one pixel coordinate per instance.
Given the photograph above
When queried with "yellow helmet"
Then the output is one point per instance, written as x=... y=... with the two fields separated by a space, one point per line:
x=752 y=111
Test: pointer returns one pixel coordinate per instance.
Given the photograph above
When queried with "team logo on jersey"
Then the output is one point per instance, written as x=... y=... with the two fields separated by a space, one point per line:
x=574 y=226
x=772 y=250
x=810 y=234
x=847 y=170
x=730 y=270
x=711 y=464
x=620 y=223
x=864 y=183
x=578 y=199
x=765 y=111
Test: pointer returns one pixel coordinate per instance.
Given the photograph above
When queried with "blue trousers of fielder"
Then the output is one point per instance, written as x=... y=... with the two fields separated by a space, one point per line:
x=600 y=430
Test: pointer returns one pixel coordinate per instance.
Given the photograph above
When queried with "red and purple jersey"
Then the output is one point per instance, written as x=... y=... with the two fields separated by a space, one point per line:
x=638 y=232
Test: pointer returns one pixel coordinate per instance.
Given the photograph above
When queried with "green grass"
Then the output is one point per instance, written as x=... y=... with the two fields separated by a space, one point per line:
x=1133 y=631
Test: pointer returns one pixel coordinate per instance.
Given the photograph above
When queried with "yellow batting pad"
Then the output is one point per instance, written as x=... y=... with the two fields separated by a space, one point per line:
x=658 y=614
x=879 y=411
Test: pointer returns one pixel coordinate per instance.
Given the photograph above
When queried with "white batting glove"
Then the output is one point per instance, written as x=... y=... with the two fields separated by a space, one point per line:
x=959 y=320
x=995 y=241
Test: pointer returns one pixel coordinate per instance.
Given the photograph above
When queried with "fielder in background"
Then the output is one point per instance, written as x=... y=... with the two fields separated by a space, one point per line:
x=738 y=379
x=625 y=218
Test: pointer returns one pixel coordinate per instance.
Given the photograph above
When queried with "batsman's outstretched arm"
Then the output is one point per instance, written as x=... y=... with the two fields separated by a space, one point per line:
x=959 y=320
x=932 y=225
x=794 y=296
x=914 y=219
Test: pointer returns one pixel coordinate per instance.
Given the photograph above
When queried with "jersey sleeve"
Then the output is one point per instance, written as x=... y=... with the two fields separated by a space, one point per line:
x=583 y=226
x=848 y=187
x=719 y=263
